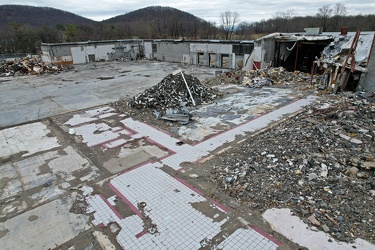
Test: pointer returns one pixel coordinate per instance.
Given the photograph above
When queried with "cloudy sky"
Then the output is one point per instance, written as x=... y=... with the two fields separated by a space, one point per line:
x=250 y=11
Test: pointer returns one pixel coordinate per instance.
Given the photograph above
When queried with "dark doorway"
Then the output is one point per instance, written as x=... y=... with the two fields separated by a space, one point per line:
x=301 y=54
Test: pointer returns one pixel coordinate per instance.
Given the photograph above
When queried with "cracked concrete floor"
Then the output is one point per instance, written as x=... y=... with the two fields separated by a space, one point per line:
x=95 y=179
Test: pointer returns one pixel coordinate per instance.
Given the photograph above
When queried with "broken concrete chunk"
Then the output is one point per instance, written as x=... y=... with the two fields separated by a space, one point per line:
x=352 y=171
x=350 y=139
x=313 y=220
x=325 y=228
x=324 y=171
x=312 y=176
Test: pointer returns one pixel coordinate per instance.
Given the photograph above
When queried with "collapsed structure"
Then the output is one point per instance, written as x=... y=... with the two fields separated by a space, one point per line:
x=320 y=164
x=313 y=51
x=329 y=54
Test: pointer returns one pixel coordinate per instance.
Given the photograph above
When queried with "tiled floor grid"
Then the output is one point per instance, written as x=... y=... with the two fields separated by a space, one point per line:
x=170 y=217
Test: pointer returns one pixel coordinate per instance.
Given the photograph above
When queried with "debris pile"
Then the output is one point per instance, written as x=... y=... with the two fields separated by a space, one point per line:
x=261 y=77
x=320 y=164
x=29 y=66
x=230 y=77
x=274 y=76
x=172 y=92
x=181 y=115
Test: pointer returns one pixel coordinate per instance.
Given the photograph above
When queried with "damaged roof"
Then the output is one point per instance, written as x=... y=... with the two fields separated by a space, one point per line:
x=337 y=51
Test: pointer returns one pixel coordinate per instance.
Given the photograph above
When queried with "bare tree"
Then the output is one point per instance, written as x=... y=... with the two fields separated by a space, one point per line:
x=229 y=20
x=324 y=14
x=282 y=20
x=339 y=10
x=244 y=30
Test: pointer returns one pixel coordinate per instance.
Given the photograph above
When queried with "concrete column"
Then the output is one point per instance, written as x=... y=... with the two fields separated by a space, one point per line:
x=369 y=81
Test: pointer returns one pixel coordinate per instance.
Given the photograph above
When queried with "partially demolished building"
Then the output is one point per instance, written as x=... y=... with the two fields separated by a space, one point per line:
x=213 y=53
x=344 y=58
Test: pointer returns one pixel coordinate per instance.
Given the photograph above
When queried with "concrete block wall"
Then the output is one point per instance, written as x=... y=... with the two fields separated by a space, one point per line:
x=219 y=50
x=171 y=52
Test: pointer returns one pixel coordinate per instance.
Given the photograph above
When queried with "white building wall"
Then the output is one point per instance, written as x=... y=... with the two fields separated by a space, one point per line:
x=147 y=49
x=247 y=61
x=209 y=48
x=102 y=52
x=46 y=57
x=171 y=51
x=90 y=50
x=79 y=55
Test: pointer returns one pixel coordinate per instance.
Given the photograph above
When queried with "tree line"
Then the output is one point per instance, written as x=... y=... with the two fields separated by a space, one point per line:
x=19 y=37
x=329 y=18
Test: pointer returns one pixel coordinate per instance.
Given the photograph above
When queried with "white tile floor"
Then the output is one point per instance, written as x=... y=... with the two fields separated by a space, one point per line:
x=29 y=138
x=169 y=201
x=169 y=205
x=90 y=115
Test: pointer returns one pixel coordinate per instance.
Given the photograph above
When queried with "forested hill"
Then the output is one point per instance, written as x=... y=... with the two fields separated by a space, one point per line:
x=163 y=22
x=24 y=28
x=53 y=25
x=38 y=16
x=154 y=13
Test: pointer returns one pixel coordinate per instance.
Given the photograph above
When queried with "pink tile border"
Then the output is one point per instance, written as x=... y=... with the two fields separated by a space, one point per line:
x=188 y=185
x=266 y=235
x=220 y=206
x=139 y=235
x=159 y=145
x=131 y=206
x=110 y=206
x=137 y=166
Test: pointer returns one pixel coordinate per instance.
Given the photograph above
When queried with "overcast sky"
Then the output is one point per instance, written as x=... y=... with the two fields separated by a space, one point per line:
x=250 y=11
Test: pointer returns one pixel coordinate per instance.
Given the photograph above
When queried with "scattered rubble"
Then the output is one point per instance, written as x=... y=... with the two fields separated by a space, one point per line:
x=29 y=66
x=229 y=77
x=263 y=77
x=320 y=164
x=181 y=115
x=274 y=76
x=171 y=92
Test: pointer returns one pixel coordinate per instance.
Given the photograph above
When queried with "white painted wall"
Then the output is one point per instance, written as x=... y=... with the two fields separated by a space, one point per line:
x=208 y=48
x=147 y=49
x=46 y=57
x=79 y=55
x=102 y=51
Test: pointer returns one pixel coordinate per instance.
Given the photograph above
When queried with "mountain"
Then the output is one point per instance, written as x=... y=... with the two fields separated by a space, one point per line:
x=24 y=28
x=153 y=13
x=38 y=16
x=162 y=22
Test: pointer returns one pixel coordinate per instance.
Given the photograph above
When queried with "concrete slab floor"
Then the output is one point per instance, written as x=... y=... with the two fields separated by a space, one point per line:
x=29 y=98
x=94 y=178
x=44 y=227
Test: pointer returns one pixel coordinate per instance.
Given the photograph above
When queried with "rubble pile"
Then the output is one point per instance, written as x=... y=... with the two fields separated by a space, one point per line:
x=29 y=66
x=320 y=164
x=172 y=92
x=261 y=77
x=230 y=77
x=274 y=76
